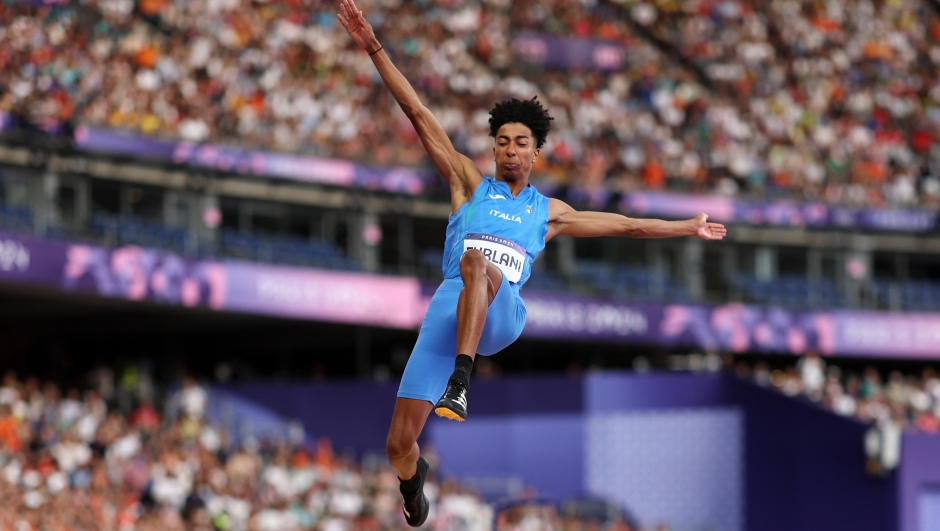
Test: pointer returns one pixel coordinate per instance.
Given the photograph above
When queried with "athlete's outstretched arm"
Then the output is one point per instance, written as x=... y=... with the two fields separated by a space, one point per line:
x=562 y=219
x=460 y=172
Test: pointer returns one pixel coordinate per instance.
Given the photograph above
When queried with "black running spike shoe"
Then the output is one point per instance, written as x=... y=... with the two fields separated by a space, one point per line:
x=453 y=405
x=415 y=505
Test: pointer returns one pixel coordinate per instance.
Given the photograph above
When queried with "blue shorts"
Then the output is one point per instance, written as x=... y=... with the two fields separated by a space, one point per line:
x=432 y=360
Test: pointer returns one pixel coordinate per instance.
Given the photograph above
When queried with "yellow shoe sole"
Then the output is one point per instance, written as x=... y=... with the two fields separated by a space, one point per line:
x=443 y=412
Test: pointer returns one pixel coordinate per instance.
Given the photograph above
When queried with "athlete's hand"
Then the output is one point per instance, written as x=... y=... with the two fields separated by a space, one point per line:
x=361 y=31
x=708 y=231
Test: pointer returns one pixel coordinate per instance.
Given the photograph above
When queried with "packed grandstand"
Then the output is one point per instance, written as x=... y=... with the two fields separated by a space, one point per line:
x=841 y=103
x=106 y=457
x=81 y=461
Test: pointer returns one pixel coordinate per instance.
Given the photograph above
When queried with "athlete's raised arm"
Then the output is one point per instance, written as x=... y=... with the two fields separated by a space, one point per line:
x=459 y=171
x=562 y=219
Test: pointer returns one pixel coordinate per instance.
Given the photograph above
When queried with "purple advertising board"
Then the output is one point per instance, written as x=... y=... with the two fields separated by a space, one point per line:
x=139 y=274
x=254 y=162
x=734 y=327
x=352 y=298
x=780 y=213
x=567 y=53
x=552 y=316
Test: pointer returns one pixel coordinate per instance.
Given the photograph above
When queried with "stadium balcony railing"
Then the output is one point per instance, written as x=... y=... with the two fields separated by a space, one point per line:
x=16 y=219
x=121 y=231
x=130 y=231
x=589 y=277
x=791 y=292
x=913 y=295
x=284 y=250
x=628 y=282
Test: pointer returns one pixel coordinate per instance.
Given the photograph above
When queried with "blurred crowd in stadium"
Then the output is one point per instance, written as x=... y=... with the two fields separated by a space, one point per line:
x=842 y=103
x=910 y=401
x=68 y=462
x=82 y=462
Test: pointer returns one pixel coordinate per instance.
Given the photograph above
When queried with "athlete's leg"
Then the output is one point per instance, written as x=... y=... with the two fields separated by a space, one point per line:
x=481 y=281
x=402 y=448
x=402 y=443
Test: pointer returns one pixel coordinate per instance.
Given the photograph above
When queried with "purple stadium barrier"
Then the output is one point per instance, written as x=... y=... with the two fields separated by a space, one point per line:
x=783 y=464
x=138 y=274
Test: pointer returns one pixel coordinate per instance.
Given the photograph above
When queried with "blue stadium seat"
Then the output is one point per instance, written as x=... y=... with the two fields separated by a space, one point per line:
x=17 y=219
x=284 y=250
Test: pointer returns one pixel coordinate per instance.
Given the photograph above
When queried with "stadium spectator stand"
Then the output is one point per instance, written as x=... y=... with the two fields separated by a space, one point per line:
x=108 y=459
x=78 y=462
x=841 y=104
x=911 y=401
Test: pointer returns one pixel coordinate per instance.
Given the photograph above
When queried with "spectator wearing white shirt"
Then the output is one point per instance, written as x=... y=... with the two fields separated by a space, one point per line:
x=812 y=370
x=193 y=399
x=171 y=480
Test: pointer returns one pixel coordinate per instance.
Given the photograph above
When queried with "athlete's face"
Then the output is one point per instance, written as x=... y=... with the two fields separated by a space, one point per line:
x=515 y=151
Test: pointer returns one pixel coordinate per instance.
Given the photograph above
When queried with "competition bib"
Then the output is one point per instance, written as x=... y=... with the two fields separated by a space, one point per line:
x=505 y=254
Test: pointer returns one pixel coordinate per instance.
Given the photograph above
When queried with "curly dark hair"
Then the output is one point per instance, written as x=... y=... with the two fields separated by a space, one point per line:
x=529 y=113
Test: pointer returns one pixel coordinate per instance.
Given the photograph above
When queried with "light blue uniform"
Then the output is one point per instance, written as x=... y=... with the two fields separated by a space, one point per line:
x=511 y=233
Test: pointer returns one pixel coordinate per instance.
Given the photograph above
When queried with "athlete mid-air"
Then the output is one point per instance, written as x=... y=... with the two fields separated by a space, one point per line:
x=497 y=228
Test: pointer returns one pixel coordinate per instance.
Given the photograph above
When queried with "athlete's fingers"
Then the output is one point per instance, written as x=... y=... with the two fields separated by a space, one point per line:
x=353 y=20
x=712 y=231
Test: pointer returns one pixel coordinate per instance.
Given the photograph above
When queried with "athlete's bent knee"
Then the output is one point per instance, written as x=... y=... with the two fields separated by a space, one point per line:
x=473 y=265
x=398 y=447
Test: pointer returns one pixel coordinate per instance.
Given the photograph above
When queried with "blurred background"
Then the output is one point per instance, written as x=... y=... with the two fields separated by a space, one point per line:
x=219 y=235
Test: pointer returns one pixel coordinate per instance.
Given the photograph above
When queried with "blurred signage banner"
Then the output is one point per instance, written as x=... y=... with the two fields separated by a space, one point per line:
x=566 y=53
x=138 y=274
x=570 y=317
x=252 y=162
x=353 y=298
x=875 y=334
x=780 y=213
x=732 y=327
x=735 y=327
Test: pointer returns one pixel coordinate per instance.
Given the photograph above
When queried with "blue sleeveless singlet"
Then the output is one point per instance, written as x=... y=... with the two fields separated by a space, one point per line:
x=510 y=232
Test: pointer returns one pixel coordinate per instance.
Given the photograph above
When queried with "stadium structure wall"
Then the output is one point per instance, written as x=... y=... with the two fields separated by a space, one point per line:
x=919 y=483
x=392 y=301
x=799 y=466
